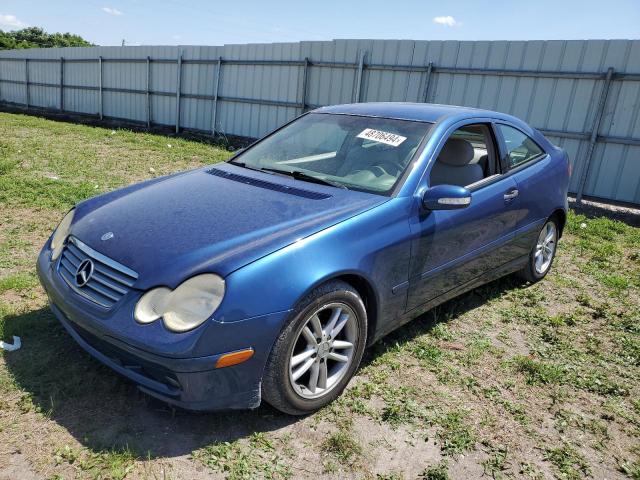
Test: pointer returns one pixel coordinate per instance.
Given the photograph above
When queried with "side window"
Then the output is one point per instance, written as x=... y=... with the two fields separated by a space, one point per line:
x=520 y=148
x=466 y=158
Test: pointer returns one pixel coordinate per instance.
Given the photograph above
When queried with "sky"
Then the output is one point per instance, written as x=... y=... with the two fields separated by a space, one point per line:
x=201 y=22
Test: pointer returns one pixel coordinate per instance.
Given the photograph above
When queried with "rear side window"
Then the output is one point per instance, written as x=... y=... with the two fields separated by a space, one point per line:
x=520 y=148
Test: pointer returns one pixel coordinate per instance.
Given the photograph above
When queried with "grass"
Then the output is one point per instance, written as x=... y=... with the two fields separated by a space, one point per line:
x=497 y=462
x=245 y=460
x=115 y=464
x=568 y=462
x=538 y=373
x=436 y=472
x=18 y=283
x=510 y=380
x=343 y=446
x=454 y=436
x=47 y=164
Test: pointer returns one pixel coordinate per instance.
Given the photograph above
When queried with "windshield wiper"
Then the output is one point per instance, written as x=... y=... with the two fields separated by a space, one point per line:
x=298 y=175
x=244 y=165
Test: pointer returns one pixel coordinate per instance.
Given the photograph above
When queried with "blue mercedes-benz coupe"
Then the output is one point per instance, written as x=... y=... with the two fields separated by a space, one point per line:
x=265 y=277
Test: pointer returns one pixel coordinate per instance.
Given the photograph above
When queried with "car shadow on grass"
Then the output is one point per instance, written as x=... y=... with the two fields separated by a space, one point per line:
x=441 y=314
x=104 y=411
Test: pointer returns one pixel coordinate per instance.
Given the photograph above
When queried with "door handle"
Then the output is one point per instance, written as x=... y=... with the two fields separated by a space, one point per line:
x=511 y=194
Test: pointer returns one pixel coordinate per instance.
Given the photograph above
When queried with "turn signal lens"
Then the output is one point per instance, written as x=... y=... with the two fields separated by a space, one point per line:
x=234 y=358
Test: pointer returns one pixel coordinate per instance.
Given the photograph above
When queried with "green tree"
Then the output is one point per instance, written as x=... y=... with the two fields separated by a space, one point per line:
x=35 y=37
x=6 y=41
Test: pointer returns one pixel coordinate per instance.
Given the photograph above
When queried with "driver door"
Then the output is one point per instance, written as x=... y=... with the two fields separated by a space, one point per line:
x=451 y=248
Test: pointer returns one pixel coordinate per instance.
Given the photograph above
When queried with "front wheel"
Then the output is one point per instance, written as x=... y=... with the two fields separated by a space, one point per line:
x=318 y=350
x=543 y=253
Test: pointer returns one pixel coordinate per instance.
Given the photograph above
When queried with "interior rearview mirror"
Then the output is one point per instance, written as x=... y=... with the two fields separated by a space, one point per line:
x=446 y=197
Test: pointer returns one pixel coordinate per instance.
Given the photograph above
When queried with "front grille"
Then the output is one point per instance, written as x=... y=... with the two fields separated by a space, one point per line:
x=109 y=282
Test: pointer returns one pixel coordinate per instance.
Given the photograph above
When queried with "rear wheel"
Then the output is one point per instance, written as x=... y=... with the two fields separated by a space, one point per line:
x=318 y=351
x=542 y=254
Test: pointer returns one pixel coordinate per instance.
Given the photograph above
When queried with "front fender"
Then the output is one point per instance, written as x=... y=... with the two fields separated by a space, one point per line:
x=374 y=245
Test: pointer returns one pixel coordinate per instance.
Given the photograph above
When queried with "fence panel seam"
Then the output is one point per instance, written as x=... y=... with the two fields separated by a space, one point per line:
x=594 y=134
x=178 y=88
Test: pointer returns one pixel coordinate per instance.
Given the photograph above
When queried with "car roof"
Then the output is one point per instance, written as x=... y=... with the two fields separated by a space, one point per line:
x=423 y=112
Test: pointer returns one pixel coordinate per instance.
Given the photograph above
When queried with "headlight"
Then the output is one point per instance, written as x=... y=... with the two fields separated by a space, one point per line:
x=184 y=308
x=60 y=235
x=152 y=304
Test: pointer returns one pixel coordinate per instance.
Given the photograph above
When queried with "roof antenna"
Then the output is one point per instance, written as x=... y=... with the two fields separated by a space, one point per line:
x=123 y=42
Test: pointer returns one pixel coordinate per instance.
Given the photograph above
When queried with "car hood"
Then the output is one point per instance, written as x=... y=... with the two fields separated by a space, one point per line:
x=214 y=219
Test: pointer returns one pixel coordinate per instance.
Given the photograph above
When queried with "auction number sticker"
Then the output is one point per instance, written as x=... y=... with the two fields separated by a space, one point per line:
x=382 y=137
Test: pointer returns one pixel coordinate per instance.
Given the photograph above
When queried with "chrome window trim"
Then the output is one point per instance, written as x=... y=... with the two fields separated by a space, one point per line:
x=481 y=183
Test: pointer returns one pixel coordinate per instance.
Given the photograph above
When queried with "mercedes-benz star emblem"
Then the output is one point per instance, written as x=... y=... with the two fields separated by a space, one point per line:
x=107 y=236
x=84 y=272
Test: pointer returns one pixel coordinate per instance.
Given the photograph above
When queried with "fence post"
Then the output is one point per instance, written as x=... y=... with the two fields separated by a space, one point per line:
x=26 y=81
x=427 y=82
x=62 y=84
x=594 y=134
x=216 y=86
x=100 y=84
x=305 y=80
x=178 y=87
x=359 y=76
x=148 y=94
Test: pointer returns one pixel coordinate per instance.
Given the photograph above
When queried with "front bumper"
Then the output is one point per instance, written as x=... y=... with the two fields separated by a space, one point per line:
x=189 y=382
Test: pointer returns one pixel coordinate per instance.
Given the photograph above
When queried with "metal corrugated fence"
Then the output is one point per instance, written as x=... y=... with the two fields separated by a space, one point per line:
x=585 y=95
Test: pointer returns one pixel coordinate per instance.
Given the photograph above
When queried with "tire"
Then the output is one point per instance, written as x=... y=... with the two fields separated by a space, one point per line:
x=539 y=262
x=340 y=311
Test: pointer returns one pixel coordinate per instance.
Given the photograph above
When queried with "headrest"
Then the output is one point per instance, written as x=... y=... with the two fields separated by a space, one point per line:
x=456 y=152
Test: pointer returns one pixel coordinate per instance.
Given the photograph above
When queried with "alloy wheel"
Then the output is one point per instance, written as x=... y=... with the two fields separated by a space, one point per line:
x=545 y=248
x=324 y=350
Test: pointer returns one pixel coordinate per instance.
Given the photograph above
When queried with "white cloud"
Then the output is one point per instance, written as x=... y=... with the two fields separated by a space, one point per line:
x=10 y=21
x=112 y=11
x=176 y=37
x=448 y=21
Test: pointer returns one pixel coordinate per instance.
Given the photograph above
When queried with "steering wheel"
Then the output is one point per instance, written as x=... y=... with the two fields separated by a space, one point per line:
x=377 y=170
x=397 y=164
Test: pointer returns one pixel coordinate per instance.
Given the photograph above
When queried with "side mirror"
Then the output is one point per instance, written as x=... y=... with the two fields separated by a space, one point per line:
x=446 y=197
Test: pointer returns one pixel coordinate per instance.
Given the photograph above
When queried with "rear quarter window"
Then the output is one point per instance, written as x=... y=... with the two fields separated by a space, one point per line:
x=520 y=147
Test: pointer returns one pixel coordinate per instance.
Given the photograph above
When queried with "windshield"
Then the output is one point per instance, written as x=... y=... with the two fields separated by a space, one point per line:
x=360 y=153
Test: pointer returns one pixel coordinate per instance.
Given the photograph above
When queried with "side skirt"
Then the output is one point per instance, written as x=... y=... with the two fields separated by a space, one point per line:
x=503 y=270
